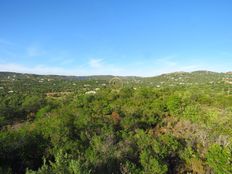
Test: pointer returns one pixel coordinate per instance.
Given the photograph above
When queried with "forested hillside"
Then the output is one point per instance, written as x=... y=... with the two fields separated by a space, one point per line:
x=173 y=123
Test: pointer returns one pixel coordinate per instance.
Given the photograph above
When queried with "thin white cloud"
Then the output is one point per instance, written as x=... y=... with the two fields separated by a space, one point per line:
x=157 y=66
x=34 y=51
x=98 y=66
x=96 y=63
x=168 y=60
x=107 y=70
x=43 y=69
x=40 y=69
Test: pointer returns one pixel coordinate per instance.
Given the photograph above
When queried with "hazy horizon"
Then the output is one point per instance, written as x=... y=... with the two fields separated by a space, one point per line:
x=40 y=74
x=143 y=38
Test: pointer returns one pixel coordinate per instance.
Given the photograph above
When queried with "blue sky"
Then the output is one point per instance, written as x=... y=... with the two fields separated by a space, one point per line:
x=118 y=37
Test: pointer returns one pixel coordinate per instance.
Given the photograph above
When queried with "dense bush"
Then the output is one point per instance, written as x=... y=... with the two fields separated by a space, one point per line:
x=144 y=130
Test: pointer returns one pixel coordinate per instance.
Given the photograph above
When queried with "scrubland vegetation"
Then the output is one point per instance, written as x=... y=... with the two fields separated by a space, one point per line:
x=174 y=123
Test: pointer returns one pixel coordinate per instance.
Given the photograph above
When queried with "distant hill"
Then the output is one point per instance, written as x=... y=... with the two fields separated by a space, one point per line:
x=188 y=78
x=25 y=75
x=170 y=79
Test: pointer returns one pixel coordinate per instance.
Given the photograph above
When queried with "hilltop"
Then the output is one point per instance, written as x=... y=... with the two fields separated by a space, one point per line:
x=170 y=79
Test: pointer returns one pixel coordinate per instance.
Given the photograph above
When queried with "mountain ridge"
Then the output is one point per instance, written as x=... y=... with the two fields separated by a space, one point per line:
x=109 y=75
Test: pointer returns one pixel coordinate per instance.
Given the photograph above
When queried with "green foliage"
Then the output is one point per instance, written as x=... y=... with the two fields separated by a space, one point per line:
x=192 y=113
x=187 y=154
x=32 y=103
x=155 y=151
x=174 y=105
x=129 y=168
x=5 y=170
x=151 y=164
x=63 y=164
x=26 y=147
x=220 y=159
x=141 y=128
